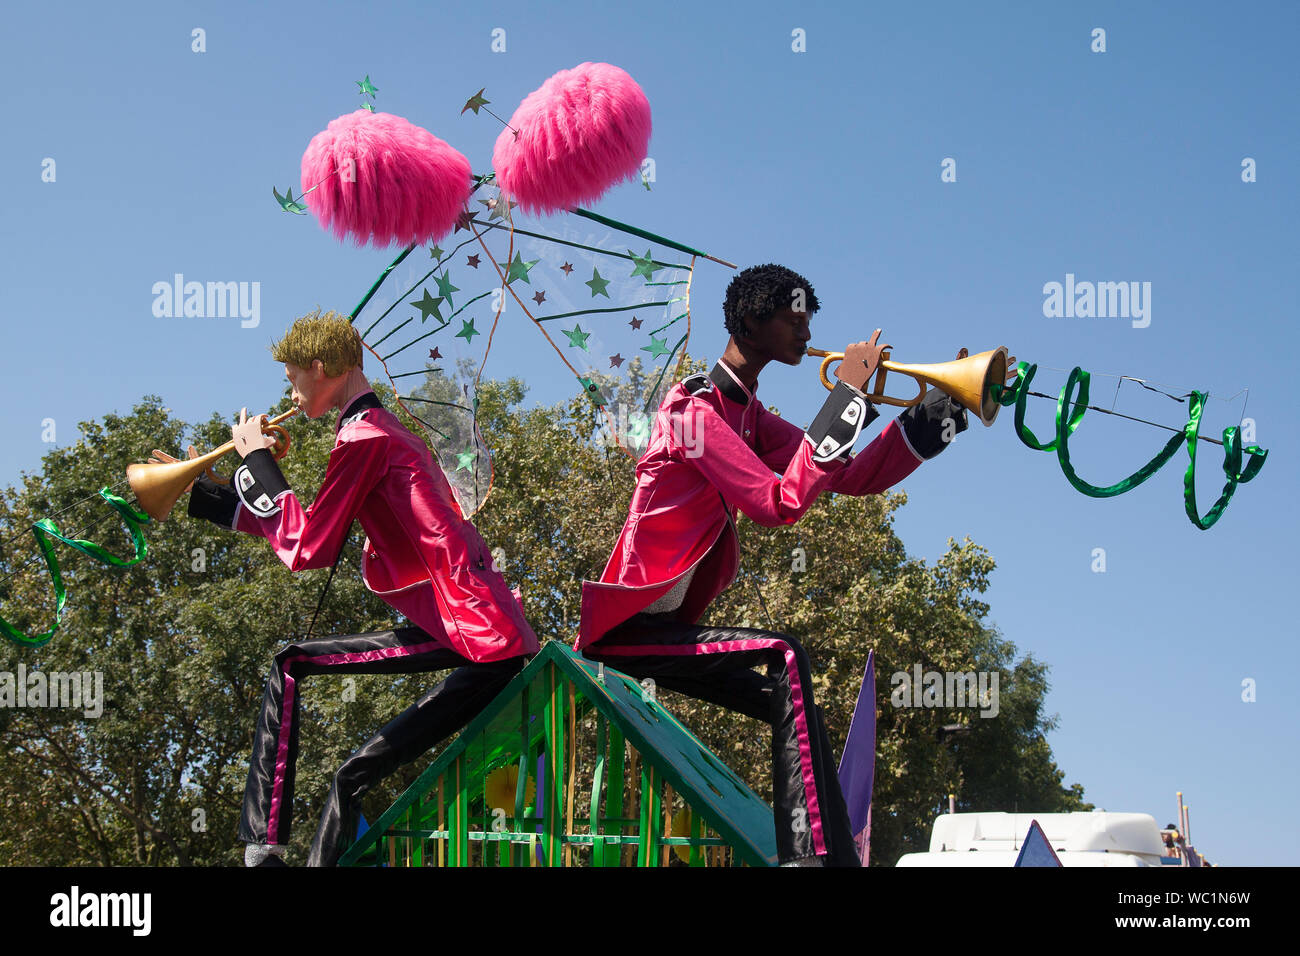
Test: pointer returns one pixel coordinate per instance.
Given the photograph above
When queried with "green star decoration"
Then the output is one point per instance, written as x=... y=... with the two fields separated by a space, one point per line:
x=436 y=252
x=577 y=337
x=366 y=88
x=288 y=203
x=367 y=106
x=657 y=347
x=644 y=265
x=467 y=331
x=475 y=102
x=518 y=269
x=465 y=460
x=429 y=306
x=445 y=288
x=597 y=284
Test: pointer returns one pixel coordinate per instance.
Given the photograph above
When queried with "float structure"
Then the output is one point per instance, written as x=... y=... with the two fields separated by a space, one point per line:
x=573 y=764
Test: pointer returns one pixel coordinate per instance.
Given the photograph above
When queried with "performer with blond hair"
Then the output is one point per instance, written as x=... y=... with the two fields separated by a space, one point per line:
x=421 y=556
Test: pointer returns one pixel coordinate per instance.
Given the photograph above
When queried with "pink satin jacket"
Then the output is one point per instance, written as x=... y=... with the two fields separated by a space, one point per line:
x=420 y=555
x=714 y=442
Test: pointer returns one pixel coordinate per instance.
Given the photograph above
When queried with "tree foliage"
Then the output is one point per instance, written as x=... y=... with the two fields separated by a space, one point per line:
x=183 y=640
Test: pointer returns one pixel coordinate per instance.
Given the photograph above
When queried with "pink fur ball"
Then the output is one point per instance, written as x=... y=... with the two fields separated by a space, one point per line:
x=583 y=131
x=384 y=180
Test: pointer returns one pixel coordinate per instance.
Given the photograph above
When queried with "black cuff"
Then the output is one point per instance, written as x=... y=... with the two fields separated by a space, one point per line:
x=839 y=423
x=213 y=502
x=932 y=423
x=258 y=481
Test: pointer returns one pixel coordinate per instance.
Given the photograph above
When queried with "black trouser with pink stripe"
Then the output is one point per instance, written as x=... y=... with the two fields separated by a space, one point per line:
x=449 y=706
x=714 y=664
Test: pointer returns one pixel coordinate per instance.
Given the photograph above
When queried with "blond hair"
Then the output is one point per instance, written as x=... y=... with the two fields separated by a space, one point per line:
x=329 y=337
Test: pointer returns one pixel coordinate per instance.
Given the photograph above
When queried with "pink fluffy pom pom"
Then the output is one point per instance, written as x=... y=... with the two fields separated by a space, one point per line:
x=581 y=132
x=384 y=180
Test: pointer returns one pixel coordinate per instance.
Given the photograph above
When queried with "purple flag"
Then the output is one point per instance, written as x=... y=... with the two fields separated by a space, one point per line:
x=858 y=764
x=1037 y=851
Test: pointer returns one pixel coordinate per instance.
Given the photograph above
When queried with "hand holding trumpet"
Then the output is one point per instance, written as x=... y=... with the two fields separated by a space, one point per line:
x=248 y=435
x=860 y=361
x=160 y=482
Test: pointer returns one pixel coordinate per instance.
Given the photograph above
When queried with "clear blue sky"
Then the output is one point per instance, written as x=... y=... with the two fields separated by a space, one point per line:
x=1115 y=166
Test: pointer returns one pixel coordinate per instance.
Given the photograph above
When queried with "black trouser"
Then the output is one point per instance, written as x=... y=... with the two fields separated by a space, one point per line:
x=449 y=706
x=714 y=664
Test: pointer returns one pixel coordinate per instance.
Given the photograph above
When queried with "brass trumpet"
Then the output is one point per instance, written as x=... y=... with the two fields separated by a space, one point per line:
x=966 y=380
x=159 y=485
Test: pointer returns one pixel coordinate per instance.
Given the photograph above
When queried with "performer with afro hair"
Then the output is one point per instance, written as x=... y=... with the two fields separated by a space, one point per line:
x=715 y=450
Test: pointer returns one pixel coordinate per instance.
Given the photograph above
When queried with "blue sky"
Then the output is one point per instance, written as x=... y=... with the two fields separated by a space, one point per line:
x=1117 y=166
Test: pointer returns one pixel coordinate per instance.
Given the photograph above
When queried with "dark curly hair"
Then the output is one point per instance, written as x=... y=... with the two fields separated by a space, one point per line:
x=762 y=291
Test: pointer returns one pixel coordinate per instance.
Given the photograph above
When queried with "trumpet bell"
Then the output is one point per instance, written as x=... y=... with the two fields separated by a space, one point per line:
x=159 y=485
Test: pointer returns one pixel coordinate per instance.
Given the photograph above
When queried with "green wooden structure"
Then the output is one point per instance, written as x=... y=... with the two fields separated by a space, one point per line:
x=604 y=773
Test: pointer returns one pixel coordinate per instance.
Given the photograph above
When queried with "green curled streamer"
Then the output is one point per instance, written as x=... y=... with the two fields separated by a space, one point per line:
x=1080 y=378
x=1015 y=394
x=1019 y=390
x=1231 y=464
x=45 y=529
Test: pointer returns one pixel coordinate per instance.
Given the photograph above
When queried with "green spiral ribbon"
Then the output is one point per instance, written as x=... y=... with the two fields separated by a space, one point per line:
x=1068 y=420
x=45 y=529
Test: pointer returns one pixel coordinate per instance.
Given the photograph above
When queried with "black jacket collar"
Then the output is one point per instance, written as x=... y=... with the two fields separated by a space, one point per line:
x=726 y=382
x=359 y=406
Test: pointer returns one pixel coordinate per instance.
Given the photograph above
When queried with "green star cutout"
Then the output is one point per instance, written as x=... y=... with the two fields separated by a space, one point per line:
x=644 y=265
x=465 y=460
x=577 y=337
x=367 y=106
x=597 y=284
x=366 y=88
x=429 y=306
x=445 y=288
x=657 y=347
x=435 y=252
x=475 y=102
x=467 y=331
x=518 y=269
x=593 y=392
x=288 y=203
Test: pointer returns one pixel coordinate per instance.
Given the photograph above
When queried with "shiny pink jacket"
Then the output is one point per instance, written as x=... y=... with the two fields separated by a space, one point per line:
x=708 y=447
x=420 y=555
